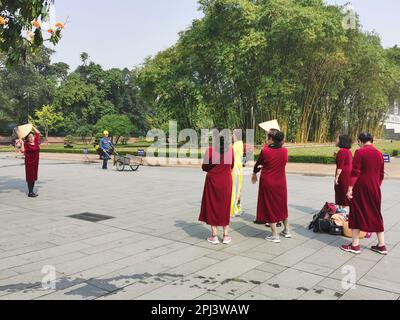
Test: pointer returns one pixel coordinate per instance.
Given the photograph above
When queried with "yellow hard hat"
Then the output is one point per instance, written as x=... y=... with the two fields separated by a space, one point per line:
x=105 y=132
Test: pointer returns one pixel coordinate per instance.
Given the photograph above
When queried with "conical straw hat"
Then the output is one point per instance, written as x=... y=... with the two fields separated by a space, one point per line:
x=273 y=124
x=24 y=130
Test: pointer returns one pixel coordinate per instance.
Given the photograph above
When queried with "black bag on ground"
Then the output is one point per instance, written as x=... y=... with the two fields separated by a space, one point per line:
x=321 y=221
x=335 y=230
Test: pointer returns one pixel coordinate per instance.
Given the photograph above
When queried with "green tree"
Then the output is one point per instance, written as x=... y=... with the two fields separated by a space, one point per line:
x=117 y=125
x=26 y=86
x=250 y=61
x=84 y=132
x=48 y=119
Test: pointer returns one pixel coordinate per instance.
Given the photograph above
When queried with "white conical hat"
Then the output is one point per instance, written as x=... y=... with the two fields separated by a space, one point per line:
x=273 y=124
x=24 y=130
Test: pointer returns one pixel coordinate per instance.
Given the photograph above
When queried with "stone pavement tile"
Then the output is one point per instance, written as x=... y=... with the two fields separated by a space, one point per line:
x=361 y=267
x=66 y=239
x=128 y=275
x=7 y=273
x=319 y=293
x=293 y=256
x=233 y=288
x=11 y=262
x=256 y=276
x=248 y=230
x=98 y=271
x=25 y=249
x=146 y=255
x=104 y=239
x=37 y=291
x=177 y=245
x=251 y=295
x=54 y=251
x=195 y=240
x=271 y=268
x=278 y=249
x=395 y=251
x=136 y=289
x=258 y=255
x=209 y=297
x=367 y=293
x=113 y=244
x=384 y=275
x=314 y=269
x=143 y=245
x=396 y=227
x=316 y=243
x=290 y=284
x=52 y=261
x=198 y=231
x=336 y=285
x=81 y=291
x=220 y=255
x=237 y=247
x=28 y=294
x=392 y=237
x=230 y=268
x=368 y=254
x=330 y=257
x=26 y=243
x=22 y=282
x=193 y=266
x=190 y=287
x=182 y=256
x=88 y=262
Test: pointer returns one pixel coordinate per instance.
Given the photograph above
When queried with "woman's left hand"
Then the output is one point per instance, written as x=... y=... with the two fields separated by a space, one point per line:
x=254 y=178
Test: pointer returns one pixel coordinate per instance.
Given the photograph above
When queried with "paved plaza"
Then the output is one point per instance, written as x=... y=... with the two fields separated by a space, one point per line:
x=154 y=247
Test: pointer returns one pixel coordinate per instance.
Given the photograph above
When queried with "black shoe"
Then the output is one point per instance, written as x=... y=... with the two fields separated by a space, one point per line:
x=278 y=225
x=258 y=222
x=32 y=195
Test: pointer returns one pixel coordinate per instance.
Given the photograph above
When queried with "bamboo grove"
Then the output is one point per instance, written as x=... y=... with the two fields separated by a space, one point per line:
x=247 y=61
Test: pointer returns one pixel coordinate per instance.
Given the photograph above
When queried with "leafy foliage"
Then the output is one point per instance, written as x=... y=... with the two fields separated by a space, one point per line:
x=248 y=61
x=20 y=28
x=118 y=126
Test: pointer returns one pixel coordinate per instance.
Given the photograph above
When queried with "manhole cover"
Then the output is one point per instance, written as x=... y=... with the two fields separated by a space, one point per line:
x=92 y=217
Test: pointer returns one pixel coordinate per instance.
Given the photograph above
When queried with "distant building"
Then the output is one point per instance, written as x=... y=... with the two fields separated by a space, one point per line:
x=392 y=123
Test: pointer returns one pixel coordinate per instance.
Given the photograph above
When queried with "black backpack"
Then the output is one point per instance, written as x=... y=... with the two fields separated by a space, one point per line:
x=321 y=221
x=315 y=224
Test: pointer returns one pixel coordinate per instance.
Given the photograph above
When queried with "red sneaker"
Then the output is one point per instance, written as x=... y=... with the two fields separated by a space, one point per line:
x=381 y=250
x=351 y=248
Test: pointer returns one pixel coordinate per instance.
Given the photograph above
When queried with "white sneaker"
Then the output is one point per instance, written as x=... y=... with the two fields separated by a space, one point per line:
x=227 y=240
x=273 y=239
x=286 y=234
x=213 y=240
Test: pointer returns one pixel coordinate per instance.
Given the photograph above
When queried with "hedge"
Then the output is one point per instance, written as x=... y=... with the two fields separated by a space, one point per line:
x=292 y=158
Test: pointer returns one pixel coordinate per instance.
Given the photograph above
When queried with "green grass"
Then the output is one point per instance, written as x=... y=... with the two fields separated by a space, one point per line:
x=307 y=154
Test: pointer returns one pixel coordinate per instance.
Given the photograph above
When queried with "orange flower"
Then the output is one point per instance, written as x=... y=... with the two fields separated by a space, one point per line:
x=2 y=21
x=60 y=25
x=36 y=24
x=50 y=30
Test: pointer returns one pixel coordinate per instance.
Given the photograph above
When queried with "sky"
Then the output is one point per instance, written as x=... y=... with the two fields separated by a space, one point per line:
x=122 y=33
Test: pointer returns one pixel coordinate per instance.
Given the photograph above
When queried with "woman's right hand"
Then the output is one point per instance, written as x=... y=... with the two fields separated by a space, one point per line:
x=254 y=178
x=350 y=194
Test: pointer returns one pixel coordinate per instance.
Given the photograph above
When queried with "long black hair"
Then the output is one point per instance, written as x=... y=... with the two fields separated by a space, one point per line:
x=225 y=141
x=345 y=141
